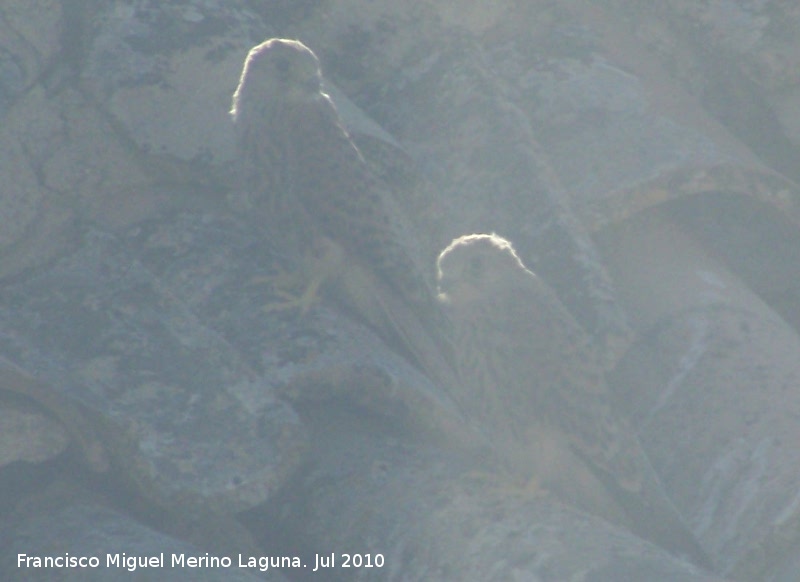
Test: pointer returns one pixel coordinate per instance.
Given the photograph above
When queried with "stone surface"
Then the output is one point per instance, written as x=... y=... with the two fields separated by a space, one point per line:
x=30 y=43
x=183 y=413
x=28 y=435
x=432 y=514
x=166 y=73
x=740 y=58
x=717 y=377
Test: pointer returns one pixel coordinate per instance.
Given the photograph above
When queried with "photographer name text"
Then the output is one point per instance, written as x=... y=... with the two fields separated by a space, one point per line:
x=163 y=560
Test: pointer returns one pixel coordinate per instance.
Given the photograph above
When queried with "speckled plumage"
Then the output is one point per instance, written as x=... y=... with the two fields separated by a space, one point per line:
x=531 y=378
x=526 y=358
x=303 y=173
x=309 y=188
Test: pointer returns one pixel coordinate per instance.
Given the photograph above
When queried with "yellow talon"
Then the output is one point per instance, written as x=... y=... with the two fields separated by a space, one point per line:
x=316 y=268
x=304 y=302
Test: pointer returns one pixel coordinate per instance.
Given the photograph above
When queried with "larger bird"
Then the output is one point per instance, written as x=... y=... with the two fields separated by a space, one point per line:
x=531 y=378
x=310 y=189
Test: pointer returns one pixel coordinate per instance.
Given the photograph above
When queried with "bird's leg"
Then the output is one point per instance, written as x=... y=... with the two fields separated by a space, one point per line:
x=317 y=267
x=285 y=287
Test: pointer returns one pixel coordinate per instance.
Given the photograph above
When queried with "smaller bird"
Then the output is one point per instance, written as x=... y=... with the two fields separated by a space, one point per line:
x=533 y=380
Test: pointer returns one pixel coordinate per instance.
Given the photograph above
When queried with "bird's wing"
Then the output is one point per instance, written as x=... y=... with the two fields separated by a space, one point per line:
x=567 y=384
x=353 y=207
x=574 y=398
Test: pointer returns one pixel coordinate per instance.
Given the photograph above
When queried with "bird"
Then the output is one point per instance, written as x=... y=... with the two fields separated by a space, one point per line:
x=531 y=377
x=307 y=185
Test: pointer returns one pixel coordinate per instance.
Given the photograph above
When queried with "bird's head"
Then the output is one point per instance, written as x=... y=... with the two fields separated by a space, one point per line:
x=277 y=69
x=471 y=266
